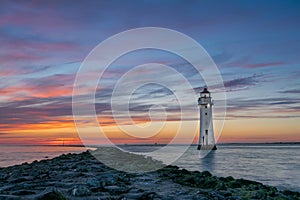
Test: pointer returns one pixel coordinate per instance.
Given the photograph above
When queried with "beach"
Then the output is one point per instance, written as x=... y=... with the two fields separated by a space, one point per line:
x=81 y=176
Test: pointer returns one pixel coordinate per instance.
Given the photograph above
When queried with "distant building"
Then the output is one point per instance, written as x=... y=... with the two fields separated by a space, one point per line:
x=206 y=138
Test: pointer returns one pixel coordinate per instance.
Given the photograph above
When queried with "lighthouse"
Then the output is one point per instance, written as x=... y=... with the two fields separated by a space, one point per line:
x=206 y=138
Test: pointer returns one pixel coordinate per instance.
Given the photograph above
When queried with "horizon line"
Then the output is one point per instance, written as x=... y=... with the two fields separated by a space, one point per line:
x=145 y=144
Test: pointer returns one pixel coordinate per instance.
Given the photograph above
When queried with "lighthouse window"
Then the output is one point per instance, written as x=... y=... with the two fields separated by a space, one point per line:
x=205 y=113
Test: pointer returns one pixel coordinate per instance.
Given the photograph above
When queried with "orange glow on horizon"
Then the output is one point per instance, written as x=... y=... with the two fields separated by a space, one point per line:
x=240 y=131
x=39 y=92
x=20 y=128
x=63 y=141
x=261 y=130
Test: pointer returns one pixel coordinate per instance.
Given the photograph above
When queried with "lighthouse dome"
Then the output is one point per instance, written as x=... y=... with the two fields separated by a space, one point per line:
x=205 y=91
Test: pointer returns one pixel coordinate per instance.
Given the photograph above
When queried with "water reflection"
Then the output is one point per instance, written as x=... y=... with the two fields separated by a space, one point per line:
x=208 y=162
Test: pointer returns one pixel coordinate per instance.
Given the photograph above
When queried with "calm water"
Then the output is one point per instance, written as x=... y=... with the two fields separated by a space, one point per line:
x=12 y=155
x=276 y=165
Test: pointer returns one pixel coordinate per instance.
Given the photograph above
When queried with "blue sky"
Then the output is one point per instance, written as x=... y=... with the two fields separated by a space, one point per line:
x=255 y=45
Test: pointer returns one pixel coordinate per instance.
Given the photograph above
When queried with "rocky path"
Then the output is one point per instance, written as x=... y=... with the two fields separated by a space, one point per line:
x=81 y=176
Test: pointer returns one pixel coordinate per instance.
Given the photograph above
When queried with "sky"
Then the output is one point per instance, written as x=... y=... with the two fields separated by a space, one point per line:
x=254 y=44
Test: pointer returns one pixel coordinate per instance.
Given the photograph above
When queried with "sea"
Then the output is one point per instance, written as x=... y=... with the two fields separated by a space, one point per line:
x=272 y=164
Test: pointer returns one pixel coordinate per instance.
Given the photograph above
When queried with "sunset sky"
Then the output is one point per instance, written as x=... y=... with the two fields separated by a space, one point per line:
x=255 y=45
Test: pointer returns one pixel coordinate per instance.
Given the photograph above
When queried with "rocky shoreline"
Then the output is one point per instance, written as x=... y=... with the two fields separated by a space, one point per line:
x=81 y=176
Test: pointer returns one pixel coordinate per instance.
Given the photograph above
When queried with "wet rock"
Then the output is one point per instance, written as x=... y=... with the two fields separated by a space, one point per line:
x=9 y=197
x=4 y=189
x=4 y=176
x=184 y=171
x=273 y=191
x=200 y=198
x=225 y=193
x=134 y=193
x=208 y=183
x=80 y=191
x=23 y=192
x=206 y=174
x=291 y=193
x=95 y=183
x=247 y=182
x=71 y=175
x=108 y=179
x=226 y=179
x=187 y=179
x=113 y=189
x=234 y=184
x=150 y=195
x=220 y=186
x=234 y=198
x=19 y=180
x=133 y=196
x=258 y=195
x=51 y=194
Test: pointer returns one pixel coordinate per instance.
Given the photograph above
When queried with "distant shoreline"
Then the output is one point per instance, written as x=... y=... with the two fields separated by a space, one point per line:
x=158 y=144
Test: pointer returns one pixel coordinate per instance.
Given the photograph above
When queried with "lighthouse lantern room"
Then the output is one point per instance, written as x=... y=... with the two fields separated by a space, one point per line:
x=206 y=138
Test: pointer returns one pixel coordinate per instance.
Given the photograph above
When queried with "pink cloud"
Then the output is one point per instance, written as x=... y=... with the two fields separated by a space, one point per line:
x=259 y=65
x=36 y=16
x=36 y=91
x=51 y=86
x=18 y=56
x=17 y=44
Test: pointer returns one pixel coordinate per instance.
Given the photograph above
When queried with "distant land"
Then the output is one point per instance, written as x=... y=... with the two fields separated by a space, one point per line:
x=156 y=144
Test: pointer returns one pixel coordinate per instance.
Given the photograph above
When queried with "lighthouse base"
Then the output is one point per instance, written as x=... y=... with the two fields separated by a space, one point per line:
x=207 y=147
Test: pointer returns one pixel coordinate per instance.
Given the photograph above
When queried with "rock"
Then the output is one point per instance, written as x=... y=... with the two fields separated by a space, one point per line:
x=134 y=193
x=184 y=171
x=51 y=194
x=226 y=179
x=220 y=186
x=188 y=179
x=133 y=196
x=181 y=197
x=225 y=193
x=80 y=191
x=4 y=176
x=234 y=184
x=234 y=198
x=136 y=190
x=200 y=198
x=113 y=189
x=69 y=175
x=108 y=179
x=9 y=197
x=291 y=193
x=150 y=195
x=18 y=180
x=258 y=195
x=208 y=183
x=206 y=174
x=273 y=192
x=203 y=192
x=23 y=192
x=247 y=182
x=95 y=183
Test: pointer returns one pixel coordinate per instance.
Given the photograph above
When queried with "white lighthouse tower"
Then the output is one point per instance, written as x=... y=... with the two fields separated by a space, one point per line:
x=206 y=138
